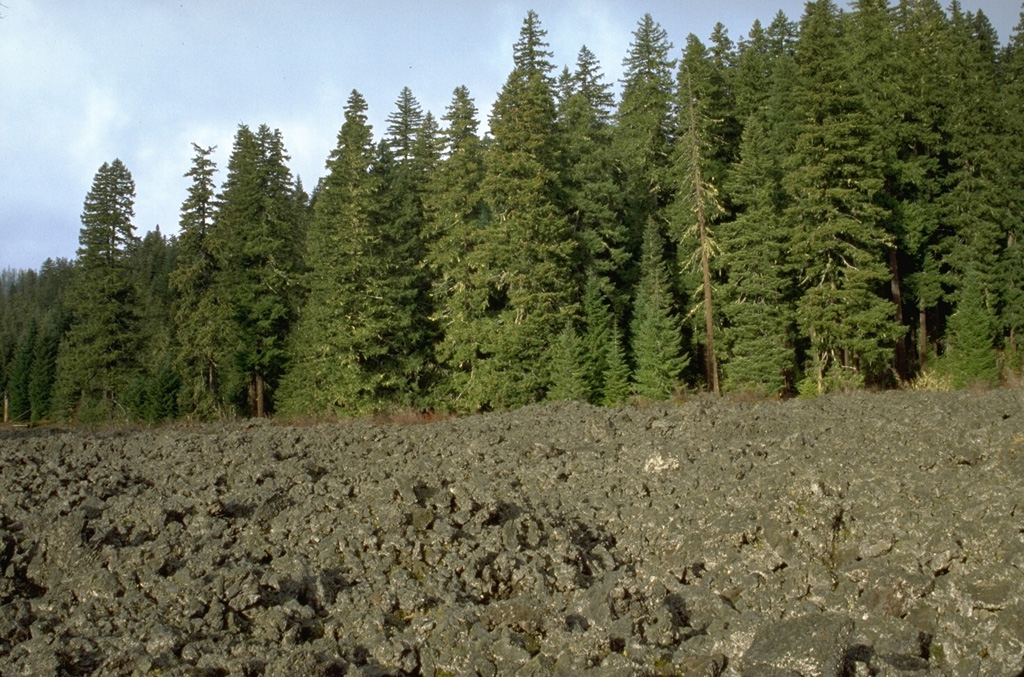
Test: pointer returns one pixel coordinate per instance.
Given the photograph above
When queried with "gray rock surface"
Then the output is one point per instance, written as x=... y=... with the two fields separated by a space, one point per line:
x=866 y=534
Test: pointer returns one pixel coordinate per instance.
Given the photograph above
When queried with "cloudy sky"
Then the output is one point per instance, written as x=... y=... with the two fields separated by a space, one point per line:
x=85 y=82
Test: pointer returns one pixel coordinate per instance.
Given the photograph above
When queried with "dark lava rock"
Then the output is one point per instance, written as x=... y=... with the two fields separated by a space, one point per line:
x=865 y=534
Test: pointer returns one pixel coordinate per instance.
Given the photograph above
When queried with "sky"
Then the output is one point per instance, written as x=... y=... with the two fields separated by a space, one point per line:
x=85 y=82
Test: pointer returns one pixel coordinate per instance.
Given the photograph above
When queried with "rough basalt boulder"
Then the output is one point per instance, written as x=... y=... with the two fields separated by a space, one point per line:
x=865 y=534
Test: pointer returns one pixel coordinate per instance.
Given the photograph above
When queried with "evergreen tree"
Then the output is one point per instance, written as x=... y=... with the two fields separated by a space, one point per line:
x=592 y=196
x=153 y=394
x=713 y=77
x=526 y=249
x=200 y=316
x=49 y=313
x=975 y=202
x=971 y=357
x=413 y=141
x=616 y=377
x=919 y=155
x=656 y=332
x=643 y=130
x=839 y=238
x=697 y=204
x=598 y=322
x=753 y=72
x=757 y=294
x=455 y=214
x=568 y=381
x=871 y=38
x=99 y=357
x=761 y=55
x=258 y=240
x=20 y=402
x=1013 y=256
x=337 y=344
x=44 y=366
x=361 y=343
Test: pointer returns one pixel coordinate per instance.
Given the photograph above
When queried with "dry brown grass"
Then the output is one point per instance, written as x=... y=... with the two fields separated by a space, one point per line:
x=409 y=417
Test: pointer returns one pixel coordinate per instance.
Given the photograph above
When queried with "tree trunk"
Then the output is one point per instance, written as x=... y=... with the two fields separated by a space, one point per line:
x=711 y=365
x=7 y=403
x=922 y=340
x=211 y=377
x=693 y=138
x=897 y=299
x=260 y=392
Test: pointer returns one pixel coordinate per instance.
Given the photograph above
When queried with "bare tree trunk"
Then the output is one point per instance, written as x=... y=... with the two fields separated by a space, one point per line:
x=922 y=340
x=699 y=197
x=7 y=404
x=260 y=396
x=711 y=365
x=211 y=377
x=897 y=299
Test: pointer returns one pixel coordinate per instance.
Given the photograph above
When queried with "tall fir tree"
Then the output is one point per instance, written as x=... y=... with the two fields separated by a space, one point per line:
x=98 y=358
x=920 y=159
x=839 y=240
x=643 y=129
x=696 y=204
x=342 y=343
x=975 y=201
x=592 y=196
x=871 y=44
x=258 y=240
x=758 y=290
x=455 y=214
x=413 y=140
x=757 y=293
x=154 y=393
x=1013 y=257
x=527 y=248
x=200 y=314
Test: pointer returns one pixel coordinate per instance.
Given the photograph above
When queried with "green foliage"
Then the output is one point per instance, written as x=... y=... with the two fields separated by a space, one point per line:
x=970 y=357
x=656 y=331
x=839 y=241
x=644 y=127
x=44 y=367
x=758 y=291
x=200 y=319
x=597 y=339
x=522 y=263
x=153 y=396
x=828 y=185
x=258 y=241
x=336 y=343
x=696 y=205
x=568 y=379
x=590 y=191
x=455 y=212
x=617 y=387
x=98 y=358
x=20 y=402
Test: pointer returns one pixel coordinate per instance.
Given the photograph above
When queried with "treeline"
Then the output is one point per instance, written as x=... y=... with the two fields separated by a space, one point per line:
x=832 y=203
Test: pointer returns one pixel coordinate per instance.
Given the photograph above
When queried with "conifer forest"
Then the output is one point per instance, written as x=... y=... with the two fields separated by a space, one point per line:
x=830 y=203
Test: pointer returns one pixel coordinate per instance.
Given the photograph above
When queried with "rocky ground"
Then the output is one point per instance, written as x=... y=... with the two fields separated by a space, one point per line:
x=867 y=534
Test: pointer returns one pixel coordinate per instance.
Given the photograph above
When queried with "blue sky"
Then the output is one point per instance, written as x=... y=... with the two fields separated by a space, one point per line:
x=84 y=82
